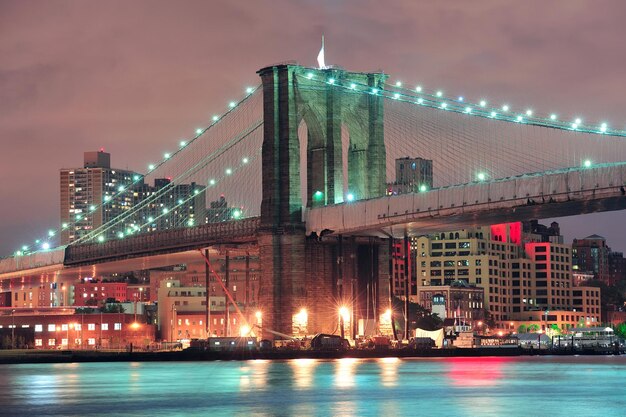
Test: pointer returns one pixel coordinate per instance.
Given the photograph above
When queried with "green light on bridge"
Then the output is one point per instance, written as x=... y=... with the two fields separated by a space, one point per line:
x=481 y=176
x=423 y=188
x=587 y=163
x=236 y=214
x=318 y=195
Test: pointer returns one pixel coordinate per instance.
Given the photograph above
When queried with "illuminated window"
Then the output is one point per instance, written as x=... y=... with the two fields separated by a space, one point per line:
x=77 y=342
x=77 y=327
x=118 y=326
x=91 y=326
x=64 y=327
x=38 y=342
x=105 y=326
x=91 y=341
x=50 y=342
x=64 y=342
x=38 y=328
x=51 y=327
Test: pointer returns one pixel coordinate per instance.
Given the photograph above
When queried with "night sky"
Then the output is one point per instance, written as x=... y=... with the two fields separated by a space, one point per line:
x=136 y=77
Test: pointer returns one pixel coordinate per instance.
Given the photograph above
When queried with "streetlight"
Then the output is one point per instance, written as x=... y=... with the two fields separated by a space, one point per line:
x=344 y=315
x=259 y=322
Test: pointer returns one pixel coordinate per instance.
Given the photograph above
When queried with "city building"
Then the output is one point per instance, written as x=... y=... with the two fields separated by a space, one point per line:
x=617 y=268
x=95 y=293
x=412 y=175
x=520 y=270
x=167 y=205
x=591 y=254
x=62 y=328
x=96 y=193
x=84 y=192
x=459 y=300
x=183 y=312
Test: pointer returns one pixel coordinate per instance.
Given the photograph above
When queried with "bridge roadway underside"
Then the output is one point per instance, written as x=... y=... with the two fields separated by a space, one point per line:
x=558 y=194
x=236 y=233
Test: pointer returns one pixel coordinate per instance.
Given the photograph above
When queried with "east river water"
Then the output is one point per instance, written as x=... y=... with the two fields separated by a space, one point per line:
x=535 y=386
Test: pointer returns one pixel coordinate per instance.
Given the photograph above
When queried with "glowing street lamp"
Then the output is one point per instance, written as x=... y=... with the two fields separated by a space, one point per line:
x=344 y=316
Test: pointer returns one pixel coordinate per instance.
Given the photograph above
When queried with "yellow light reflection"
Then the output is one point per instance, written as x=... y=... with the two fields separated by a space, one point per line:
x=303 y=371
x=389 y=368
x=344 y=372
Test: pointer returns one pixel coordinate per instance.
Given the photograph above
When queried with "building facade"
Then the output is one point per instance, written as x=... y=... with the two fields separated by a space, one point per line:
x=84 y=192
x=520 y=271
x=591 y=254
x=412 y=175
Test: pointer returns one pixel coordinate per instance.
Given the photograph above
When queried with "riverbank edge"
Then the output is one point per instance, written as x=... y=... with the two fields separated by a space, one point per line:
x=70 y=356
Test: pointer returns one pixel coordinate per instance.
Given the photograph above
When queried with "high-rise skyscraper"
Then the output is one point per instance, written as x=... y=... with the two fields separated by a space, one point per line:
x=97 y=194
x=84 y=190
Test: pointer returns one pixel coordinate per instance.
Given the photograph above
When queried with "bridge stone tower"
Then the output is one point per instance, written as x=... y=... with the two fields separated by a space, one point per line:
x=299 y=272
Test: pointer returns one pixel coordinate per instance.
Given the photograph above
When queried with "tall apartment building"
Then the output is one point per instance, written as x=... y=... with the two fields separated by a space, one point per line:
x=83 y=190
x=519 y=271
x=167 y=205
x=95 y=194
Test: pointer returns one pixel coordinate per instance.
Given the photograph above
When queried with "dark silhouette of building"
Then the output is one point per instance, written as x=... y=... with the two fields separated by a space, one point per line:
x=591 y=254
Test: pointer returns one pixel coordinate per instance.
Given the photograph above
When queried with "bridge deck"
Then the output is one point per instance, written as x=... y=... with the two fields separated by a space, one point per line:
x=550 y=194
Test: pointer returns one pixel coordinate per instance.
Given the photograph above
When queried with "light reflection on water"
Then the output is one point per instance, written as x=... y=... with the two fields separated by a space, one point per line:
x=589 y=386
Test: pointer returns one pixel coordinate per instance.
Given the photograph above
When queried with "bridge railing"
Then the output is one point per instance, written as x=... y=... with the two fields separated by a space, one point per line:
x=163 y=241
x=31 y=261
x=563 y=186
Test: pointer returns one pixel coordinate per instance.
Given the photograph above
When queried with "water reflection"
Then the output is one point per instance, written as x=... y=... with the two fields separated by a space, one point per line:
x=254 y=374
x=389 y=371
x=344 y=372
x=346 y=387
x=475 y=372
x=303 y=370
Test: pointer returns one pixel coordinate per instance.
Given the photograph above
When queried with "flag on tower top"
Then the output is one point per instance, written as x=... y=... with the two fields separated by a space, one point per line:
x=320 y=56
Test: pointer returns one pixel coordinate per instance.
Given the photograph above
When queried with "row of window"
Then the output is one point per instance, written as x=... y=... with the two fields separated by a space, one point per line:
x=77 y=327
x=63 y=342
